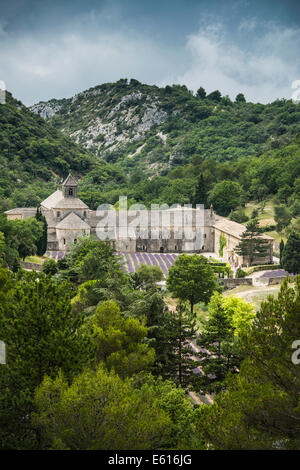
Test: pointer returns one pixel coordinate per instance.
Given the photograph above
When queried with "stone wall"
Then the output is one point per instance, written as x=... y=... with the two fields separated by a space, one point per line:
x=232 y=283
x=31 y=266
x=248 y=281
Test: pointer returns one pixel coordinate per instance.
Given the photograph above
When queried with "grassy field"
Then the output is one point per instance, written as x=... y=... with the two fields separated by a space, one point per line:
x=265 y=217
x=254 y=294
x=34 y=259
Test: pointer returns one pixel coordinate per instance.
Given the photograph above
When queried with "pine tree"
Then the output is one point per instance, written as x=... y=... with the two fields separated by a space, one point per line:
x=252 y=244
x=291 y=254
x=182 y=331
x=201 y=93
x=260 y=408
x=218 y=351
x=42 y=337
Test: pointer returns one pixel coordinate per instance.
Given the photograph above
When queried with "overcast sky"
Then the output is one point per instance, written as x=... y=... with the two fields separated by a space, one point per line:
x=54 y=49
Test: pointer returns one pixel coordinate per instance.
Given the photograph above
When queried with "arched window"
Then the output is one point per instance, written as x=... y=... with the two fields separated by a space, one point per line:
x=58 y=213
x=75 y=240
x=64 y=241
x=84 y=213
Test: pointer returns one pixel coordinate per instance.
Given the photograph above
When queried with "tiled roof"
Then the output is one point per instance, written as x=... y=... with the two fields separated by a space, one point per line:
x=52 y=199
x=233 y=228
x=21 y=210
x=72 y=221
x=70 y=203
x=70 y=180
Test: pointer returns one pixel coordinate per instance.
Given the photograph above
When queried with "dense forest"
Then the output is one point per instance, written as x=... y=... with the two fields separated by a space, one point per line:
x=105 y=363
x=34 y=157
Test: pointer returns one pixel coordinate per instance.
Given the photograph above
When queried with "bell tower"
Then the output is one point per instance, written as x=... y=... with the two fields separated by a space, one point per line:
x=69 y=187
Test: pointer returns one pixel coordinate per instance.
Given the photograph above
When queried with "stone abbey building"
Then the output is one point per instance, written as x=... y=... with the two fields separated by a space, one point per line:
x=68 y=218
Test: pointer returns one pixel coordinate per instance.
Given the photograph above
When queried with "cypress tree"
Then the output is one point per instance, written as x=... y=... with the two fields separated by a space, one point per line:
x=41 y=244
x=281 y=248
x=200 y=192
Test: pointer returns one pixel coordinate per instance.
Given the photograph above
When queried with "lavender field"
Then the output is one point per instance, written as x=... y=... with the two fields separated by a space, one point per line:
x=132 y=261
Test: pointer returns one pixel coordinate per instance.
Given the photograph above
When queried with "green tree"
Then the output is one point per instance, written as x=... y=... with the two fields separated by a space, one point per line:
x=239 y=216
x=260 y=407
x=99 y=411
x=91 y=259
x=218 y=349
x=214 y=96
x=50 y=267
x=41 y=243
x=282 y=217
x=201 y=93
x=25 y=235
x=222 y=244
x=240 y=98
x=240 y=313
x=120 y=343
x=42 y=337
x=174 y=401
x=225 y=196
x=148 y=276
x=295 y=208
x=281 y=248
x=2 y=247
x=200 y=191
x=291 y=254
x=182 y=327
x=192 y=278
x=158 y=320
x=252 y=245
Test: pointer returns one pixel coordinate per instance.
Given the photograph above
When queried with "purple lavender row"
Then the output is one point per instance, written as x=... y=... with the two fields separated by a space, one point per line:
x=140 y=258
x=123 y=262
x=165 y=259
x=170 y=258
x=162 y=264
x=147 y=259
x=129 y=265
x=135 y=261
x=153 y=260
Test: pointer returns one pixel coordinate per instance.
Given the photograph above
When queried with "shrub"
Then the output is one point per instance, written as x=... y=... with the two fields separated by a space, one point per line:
x=50 y=267
x=240 y=273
